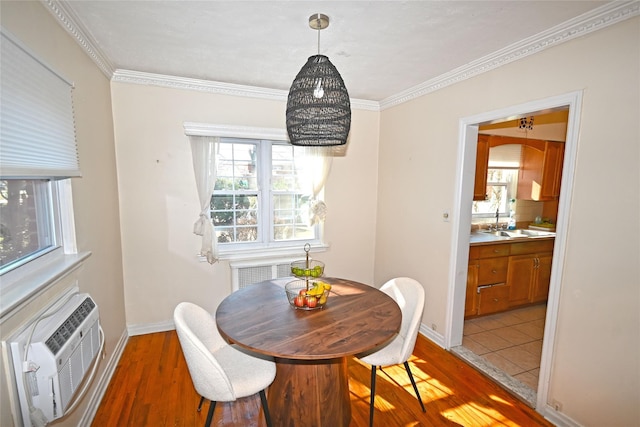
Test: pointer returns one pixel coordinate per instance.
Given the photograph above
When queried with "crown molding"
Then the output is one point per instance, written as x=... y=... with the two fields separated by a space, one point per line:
x=137 y=77
x=595 y=20
x=70 y=22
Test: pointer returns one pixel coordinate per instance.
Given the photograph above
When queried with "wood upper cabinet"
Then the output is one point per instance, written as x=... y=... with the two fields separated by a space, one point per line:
x=482 y=167
x=540 y=170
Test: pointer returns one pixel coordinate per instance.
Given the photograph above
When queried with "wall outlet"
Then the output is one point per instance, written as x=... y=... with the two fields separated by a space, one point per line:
x=434 y=326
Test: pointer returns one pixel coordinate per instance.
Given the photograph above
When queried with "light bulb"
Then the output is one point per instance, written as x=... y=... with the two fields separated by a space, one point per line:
x=318 y=92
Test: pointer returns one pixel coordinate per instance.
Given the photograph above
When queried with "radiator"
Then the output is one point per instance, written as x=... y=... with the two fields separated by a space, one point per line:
x=248 y=272
x=62 y=345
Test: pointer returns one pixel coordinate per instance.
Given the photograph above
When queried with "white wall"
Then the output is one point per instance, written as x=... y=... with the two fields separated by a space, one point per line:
x=158 y=199
x=595 y=373
x=95 y=194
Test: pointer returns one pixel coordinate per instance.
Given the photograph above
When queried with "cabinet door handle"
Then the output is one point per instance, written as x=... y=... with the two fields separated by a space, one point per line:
x=494 y=271
x=495 y=300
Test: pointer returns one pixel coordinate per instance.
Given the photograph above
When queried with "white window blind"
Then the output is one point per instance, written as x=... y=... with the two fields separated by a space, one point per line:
x=37 y=129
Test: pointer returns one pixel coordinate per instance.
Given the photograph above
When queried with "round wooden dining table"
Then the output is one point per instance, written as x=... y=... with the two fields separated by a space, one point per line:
x=310 y=347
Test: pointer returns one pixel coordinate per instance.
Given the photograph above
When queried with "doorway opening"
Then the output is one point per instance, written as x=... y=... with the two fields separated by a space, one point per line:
x=512 y=326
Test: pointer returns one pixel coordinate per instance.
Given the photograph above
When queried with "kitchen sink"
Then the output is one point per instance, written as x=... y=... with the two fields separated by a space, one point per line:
x=497 y=233
x=520 y=233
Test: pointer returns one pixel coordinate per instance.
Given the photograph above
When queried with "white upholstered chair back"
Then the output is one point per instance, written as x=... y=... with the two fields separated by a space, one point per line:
x=409 y=295
x=199 y=338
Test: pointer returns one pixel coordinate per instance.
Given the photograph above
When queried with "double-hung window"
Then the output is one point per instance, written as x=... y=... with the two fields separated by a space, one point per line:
x=501 y=189
x=38 y=154
x=262 y=196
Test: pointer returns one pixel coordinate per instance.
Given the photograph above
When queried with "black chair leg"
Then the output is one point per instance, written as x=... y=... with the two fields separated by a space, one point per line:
x=413 y=383
x=212 y=406
x=201 y=402
x=373 y=395
x=265 y=407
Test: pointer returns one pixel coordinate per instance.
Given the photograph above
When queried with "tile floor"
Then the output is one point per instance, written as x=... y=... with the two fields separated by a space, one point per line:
x=510 y=341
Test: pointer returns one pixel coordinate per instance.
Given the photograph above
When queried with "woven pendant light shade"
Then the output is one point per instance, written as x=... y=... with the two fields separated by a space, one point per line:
x=318 y=106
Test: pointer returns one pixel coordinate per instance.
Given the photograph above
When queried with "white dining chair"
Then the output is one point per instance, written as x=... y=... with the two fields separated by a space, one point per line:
x=409 y=295
x=220 y=372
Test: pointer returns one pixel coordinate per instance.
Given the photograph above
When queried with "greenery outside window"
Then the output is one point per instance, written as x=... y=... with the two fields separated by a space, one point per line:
x=261 y=196
x=501 y=189
x=29 y=227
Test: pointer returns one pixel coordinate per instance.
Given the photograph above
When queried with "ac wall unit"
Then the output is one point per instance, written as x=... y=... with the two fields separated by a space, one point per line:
x=244 y=273
x=62 y=348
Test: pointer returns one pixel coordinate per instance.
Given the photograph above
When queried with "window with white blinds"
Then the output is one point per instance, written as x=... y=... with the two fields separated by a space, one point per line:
x=38 y=154
x=37 y=130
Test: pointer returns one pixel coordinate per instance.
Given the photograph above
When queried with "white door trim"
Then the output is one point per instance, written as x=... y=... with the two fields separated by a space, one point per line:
x=468 y=133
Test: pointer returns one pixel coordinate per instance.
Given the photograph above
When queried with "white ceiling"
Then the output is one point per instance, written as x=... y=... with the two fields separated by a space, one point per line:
x=381 y=48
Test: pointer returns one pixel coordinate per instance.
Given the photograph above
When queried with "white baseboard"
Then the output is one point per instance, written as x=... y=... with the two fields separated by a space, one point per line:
x=558 y=418
x=100 y=390
x=432 y=335
x=150 y=328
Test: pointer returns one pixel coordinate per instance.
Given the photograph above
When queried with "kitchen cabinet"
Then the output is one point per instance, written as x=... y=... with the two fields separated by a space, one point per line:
x=486 y=281
x=528 y=278
x=482 y=167
x=540 y=170
x=529 y=272
x=540 y=284
x=502 y=276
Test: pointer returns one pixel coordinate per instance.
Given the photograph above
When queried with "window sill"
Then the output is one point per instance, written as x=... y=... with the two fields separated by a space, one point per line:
x=34 y=284
x=268 y=253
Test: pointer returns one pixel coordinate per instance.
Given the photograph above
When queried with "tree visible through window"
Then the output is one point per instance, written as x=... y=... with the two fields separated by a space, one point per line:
x=26 y=226
x=261 y=195
x=501 y=188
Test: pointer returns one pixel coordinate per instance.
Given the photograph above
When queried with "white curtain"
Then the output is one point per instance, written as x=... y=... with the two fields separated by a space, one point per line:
x=203 y=150
x=317 y=162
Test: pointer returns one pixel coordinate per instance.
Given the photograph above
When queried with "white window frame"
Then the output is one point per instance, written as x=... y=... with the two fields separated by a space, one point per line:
x=509 y=196
x=28 y=280
x=266 y=249
x=38 y=141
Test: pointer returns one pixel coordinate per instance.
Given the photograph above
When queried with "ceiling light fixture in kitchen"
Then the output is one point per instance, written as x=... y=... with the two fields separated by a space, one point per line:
x=318 y=106
x=526 y=124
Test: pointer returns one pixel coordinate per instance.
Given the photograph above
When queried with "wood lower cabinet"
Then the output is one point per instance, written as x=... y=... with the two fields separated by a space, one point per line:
x=493 y=298
x=540 y=286
x=505 y=276
x=486 y=281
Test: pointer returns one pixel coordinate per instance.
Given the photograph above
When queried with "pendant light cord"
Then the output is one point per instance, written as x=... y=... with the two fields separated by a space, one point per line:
x=319 y=36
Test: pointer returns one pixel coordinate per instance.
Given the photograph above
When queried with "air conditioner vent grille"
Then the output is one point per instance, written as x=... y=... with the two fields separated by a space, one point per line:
x=68 y=327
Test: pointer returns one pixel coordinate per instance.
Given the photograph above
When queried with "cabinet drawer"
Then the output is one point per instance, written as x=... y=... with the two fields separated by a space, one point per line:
x=492 y=270
x=493 y=299
x=489 y=251
x=532 y=247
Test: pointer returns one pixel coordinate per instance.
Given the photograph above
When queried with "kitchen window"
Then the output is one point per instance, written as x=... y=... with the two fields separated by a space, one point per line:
x=501 y=190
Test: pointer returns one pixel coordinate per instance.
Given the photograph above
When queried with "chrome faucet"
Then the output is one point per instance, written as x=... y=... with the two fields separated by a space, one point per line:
x=497 y=217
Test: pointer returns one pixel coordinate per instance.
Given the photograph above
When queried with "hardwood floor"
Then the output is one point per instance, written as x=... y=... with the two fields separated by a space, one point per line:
x=152 y=387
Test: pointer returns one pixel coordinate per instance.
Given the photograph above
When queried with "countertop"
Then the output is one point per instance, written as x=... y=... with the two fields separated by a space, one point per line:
x=479 y=238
